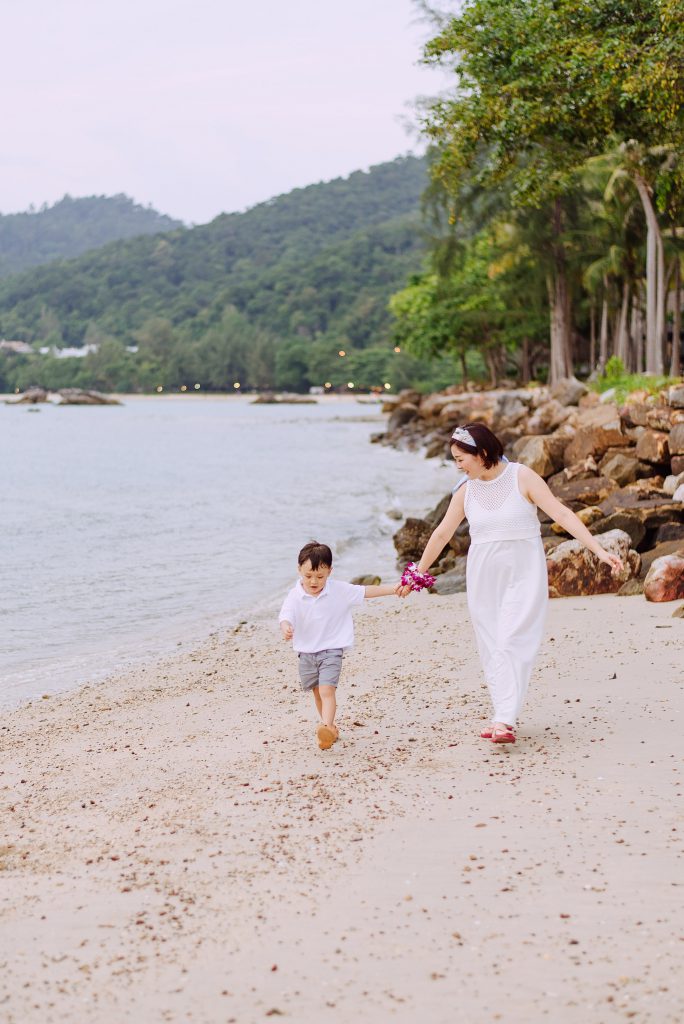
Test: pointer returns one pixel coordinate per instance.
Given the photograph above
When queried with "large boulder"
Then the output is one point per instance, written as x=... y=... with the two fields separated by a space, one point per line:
x=665 y=579
x=675 y=441
x=29 y=397
x=675 y=396
x=653 y=447
x=677 y=464
x=634 y=413
x=671 y=483
x=568 y=391
x=411 y=538
x=543 y=454
x=631 y=523
x=453 y=581
x=547 y=417
x=595 y=438
x=576 y=572
x=621 y=466
x=667 y=547
x=402 y=414
x=670 y=531
x=576 y=493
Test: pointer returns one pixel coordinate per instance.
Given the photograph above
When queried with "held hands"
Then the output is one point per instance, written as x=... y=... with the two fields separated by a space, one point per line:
x=401 y=590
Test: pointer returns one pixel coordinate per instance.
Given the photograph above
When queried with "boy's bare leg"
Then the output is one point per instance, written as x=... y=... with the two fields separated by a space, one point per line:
x=317 y=701
x=328 y=704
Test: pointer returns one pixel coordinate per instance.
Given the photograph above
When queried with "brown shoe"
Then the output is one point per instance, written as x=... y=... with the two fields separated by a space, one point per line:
x=326 y=736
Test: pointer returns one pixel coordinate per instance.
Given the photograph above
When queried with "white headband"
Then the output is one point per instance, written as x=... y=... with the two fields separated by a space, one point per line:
x=461 y=434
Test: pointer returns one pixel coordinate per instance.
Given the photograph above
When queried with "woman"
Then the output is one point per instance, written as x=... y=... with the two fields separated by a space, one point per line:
x=506 y=577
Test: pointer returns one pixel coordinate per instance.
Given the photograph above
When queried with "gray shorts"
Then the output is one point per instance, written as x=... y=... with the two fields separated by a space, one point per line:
x=322 y=668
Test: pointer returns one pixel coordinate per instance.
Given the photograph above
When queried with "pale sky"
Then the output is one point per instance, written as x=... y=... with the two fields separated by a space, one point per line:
x=202 y=106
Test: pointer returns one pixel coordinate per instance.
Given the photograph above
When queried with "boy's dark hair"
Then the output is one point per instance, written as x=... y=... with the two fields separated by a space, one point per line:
x=487 y=445
x=317 y=554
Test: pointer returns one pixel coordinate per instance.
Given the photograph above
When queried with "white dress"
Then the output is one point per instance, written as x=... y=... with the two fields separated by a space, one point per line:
x=507 y=587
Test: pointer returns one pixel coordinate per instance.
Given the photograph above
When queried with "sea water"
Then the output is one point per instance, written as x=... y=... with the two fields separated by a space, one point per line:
x=130 y=530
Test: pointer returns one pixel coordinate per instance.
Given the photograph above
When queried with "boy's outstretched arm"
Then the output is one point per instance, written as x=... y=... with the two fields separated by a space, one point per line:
x=383 y=590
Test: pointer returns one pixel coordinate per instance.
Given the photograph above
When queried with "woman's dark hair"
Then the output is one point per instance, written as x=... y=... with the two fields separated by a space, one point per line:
x=487 y=445
x=318 y=554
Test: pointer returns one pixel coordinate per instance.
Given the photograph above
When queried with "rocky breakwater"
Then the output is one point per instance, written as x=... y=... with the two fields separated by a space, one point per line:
x=619 y=467
x=65 y=396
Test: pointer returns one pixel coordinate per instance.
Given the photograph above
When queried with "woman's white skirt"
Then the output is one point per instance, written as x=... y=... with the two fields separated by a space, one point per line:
x=507 y=590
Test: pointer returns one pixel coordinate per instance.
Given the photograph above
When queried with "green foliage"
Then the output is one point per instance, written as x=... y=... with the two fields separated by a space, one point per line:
x=616 y=378
x=266 y=297
x=72 y=227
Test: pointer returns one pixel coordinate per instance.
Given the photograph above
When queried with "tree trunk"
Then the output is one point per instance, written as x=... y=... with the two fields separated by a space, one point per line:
x=655 y=282
x=622 y=328
x=638 y=336
x=525 y=369
x=464 y=368
x=592 y=338
x=676 y=358
x=560 y=362
x=603 y=331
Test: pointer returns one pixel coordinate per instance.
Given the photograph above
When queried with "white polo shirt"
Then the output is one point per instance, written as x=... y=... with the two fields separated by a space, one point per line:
x=323 y=621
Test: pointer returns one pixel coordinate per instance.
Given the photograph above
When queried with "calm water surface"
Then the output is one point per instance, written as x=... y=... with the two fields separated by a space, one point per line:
x=128 y=530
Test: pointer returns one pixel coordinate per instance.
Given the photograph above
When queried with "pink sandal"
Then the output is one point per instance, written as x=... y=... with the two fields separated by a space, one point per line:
x=502 y=734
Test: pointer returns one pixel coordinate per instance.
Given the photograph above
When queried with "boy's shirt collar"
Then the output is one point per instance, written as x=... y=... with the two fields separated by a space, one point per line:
x=312 y=597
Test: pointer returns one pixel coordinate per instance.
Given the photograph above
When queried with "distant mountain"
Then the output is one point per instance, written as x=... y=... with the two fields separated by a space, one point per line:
x=72 y=227
x=265 y=296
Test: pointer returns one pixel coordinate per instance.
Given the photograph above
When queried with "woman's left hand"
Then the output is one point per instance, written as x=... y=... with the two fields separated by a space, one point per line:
x=614 y=561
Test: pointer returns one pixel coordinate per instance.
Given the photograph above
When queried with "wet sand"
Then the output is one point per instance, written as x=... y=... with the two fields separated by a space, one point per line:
x=174 y=846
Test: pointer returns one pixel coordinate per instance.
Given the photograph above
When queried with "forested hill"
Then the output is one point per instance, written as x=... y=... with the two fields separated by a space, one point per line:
x=317 y=260
x=72 y=227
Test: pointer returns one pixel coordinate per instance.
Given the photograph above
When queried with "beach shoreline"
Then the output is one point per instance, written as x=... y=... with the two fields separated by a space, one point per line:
x=176 y=848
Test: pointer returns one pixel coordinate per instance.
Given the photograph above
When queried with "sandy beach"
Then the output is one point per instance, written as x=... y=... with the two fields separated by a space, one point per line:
x=176 y=848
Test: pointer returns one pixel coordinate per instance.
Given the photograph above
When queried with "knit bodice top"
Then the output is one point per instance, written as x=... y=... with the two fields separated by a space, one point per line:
x=496 y=510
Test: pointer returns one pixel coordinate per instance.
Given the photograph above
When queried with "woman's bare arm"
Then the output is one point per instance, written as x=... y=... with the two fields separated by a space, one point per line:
x=536 y=490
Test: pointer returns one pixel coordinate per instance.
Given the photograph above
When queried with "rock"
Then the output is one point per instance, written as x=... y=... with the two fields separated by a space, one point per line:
x=675 y=441
x=547 y=417
x=438 y=447
x=411 y=538
x=668 y=547
x=677 y=464
x=678 y=495
x=29 y=397
x=670 y=531
x=542 y=454
x=663 y=418
x=582 y=470
x=389 y=403
x=595 y=440
x=568 y=391
x=634 y=413
x=653 y=447
x=367 y=581
x=401 y=415
x=630 y=523
x=78 y=396
x=453 y=581
x=631 y=588
x=621 y=467
x=592 y=491
x=575 y=572
x=589 y=515
x=665 y=579
x=675 y=396
x=510 y=409
x=678 y=613
x=671 y=483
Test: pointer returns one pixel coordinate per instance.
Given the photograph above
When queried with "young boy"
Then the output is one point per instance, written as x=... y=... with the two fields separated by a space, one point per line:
x=316 y=616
